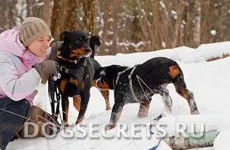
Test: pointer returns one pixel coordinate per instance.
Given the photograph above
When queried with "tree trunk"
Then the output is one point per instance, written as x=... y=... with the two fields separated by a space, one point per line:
x=105 y=27
x=155 y=33
x=89 y=15
x=197 y=23
x=70 y=15
x=180 y=12
x=64 y=17
x=46 y=12
x=145 y=26
x=29 y=6
x=205 y=27
x=114 y=27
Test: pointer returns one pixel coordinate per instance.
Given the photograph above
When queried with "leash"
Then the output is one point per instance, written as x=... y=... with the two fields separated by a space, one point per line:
x=139 y=81
x=37 y=116
x=77 y=73
x=155 y=147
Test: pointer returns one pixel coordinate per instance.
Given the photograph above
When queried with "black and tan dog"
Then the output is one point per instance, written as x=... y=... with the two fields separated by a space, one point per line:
x=76 y=71
x=139 y=83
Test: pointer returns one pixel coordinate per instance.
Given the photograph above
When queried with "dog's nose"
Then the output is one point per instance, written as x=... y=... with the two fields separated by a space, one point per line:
x=88 y=50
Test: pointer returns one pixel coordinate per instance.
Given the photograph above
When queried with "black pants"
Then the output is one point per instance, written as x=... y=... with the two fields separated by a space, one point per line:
x=11 y=118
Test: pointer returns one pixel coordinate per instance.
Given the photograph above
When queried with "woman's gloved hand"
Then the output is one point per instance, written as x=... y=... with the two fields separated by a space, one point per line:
x=47 y=67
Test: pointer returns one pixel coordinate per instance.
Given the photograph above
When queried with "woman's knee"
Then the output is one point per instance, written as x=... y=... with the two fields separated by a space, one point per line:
x=25 y=103
x=25 y=107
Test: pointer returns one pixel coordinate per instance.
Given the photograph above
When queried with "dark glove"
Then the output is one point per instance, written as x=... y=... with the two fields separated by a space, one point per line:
x=47 y=67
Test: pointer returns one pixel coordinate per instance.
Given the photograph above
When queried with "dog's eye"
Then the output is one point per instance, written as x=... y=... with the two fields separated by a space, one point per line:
x=78 y=42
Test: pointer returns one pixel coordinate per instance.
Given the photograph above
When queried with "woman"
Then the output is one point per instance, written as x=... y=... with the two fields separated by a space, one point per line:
x=22 y=51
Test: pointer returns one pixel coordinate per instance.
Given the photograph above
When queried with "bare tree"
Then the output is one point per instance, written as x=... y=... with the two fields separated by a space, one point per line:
x=178 y=31
x=89 y=15
x=129 y=26
x=196 y=23
x=155 y=32
x=205 y=27
x=41 y=9
x=145 y=25
x=8 y=15
x=72 y=15
x=105 y=25
x=29 y=6
x=64 y=16
x=115 y=22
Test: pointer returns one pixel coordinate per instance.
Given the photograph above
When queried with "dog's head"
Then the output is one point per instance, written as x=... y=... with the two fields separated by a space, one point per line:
x=95 y=44
x=105 y=77
x=95 y=41
x=75 y=44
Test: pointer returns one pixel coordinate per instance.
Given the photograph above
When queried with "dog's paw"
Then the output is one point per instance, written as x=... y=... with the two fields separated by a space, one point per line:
x=109 y=126
x=108 y=108
x=78 y=122
x=66 y=125
x=196 y=112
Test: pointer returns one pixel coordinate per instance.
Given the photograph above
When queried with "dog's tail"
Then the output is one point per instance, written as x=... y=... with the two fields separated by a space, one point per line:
x=54 y=97
x=176 y=74
x=94 y=44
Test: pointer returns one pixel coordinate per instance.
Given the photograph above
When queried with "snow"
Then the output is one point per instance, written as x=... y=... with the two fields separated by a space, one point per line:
x=213 y=32
x=221 y=141
x=209 y=82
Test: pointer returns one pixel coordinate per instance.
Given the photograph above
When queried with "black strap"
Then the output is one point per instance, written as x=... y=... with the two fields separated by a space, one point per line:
x=76 y=72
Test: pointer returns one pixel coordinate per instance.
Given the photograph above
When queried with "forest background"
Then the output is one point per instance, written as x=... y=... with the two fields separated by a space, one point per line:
x=127 y=26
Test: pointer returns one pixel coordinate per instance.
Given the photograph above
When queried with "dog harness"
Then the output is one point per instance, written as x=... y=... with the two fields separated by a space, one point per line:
x=130 y=81
x=140 y=81
x=65 y=59
x=76 y=72
x=131 y=84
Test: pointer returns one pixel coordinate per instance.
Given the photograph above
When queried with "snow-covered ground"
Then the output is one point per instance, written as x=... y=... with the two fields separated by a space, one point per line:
x=209 y=82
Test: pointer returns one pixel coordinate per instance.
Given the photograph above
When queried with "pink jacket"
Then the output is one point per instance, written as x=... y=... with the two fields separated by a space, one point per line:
x=18 y=80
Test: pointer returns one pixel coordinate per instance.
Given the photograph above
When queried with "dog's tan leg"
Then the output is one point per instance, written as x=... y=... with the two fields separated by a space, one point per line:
x=84 y=103
x=105 y=94
x=188 y=95
x=143 y=109
x=77 y=102
x=62 y=85
x=65 y=109
x=65 y=101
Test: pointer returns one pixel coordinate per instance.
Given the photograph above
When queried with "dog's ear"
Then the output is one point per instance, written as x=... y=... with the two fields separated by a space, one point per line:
x=63 y=35
x=100 y=73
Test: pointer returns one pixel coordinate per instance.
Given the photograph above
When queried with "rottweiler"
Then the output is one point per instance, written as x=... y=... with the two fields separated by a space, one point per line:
x=139 y=83
x=95 y=43
x=77 y=72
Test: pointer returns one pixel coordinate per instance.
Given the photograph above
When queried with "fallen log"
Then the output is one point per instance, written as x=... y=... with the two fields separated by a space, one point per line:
x=189 y=131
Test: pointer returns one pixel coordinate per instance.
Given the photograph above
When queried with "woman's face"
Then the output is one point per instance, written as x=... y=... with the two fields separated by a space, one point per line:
x=39 y=47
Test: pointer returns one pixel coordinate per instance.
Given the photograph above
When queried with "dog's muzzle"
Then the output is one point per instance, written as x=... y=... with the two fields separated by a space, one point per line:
x=88 y=52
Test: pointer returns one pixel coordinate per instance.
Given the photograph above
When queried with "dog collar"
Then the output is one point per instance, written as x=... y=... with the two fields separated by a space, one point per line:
x=71 y=61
